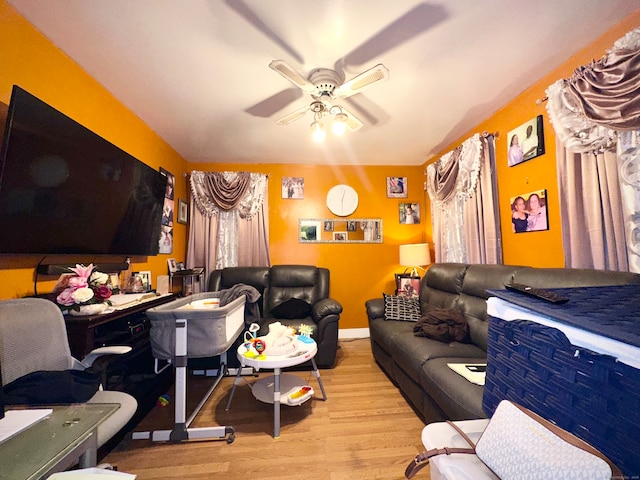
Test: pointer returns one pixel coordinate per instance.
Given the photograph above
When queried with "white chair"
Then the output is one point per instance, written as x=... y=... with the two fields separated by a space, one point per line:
x=33 y=337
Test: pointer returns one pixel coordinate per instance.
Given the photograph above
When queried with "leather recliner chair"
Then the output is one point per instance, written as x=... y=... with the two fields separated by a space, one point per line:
x=278 y=285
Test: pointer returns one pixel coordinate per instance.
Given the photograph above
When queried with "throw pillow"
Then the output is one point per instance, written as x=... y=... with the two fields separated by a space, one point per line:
x=443 y=325
x=292 y=308
x=405 y=309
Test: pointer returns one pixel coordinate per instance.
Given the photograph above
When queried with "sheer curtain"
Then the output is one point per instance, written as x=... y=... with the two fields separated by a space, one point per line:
x=596 y=116
x=463 y=195
x=229 y=225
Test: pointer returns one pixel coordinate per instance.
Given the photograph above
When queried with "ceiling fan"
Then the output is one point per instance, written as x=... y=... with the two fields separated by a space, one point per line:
x=326 y=86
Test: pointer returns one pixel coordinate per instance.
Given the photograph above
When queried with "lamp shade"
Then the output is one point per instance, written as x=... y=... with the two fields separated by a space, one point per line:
x=415 y=254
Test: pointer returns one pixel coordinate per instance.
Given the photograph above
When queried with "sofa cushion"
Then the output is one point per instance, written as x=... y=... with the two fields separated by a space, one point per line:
x=401 y=308
x=292 y=308
x=410 y=352
x=458 y=397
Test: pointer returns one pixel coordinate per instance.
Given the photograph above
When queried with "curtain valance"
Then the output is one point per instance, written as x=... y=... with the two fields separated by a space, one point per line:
x=455 y=173
x=599 y=99
x=215 y=192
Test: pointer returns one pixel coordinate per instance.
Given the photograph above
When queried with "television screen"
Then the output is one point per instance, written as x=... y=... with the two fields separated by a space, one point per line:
x=66 y=190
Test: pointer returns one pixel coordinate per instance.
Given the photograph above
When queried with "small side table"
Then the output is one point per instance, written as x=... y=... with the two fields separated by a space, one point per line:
x=305 y=352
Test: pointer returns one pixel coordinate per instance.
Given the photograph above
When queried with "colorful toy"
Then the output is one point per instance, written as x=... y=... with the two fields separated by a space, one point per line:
x=305 y=332
x=299 y=395
x=259 y=345
x=163 y=400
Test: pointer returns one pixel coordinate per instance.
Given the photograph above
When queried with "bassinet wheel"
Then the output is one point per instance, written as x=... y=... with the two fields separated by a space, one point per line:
x=231 y=438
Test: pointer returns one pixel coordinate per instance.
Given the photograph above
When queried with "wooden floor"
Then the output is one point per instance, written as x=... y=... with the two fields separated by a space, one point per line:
x=365 y=430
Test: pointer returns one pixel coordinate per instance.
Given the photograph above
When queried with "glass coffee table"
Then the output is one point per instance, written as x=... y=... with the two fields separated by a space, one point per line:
x=268 y=389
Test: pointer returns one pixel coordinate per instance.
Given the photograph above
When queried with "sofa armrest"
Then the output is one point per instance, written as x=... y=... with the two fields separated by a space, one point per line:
x=375 y=308
x=325 y=307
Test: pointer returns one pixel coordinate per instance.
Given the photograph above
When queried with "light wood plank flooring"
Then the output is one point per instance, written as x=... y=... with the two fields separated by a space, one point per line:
x=365 y=430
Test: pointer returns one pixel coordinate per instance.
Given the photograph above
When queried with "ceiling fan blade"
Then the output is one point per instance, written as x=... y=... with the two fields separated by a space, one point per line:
x=290 y=73
x=353 y=122
x=293 y=116
x=419 y=19
x=269 y=106
x=242 y=9
x=360 y=82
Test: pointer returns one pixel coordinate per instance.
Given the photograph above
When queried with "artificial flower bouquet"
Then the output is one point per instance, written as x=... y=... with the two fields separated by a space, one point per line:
x=82 y=287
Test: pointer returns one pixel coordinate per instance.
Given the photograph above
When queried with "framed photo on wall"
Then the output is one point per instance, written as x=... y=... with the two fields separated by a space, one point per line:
x=529 y=212
x=165 y=245
x=293 y=187
x=526 y=141
x=183 y=211
x=409 y=213
x=397 y=187
x=339 y=236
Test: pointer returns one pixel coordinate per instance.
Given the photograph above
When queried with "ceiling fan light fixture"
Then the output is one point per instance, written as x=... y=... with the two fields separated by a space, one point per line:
x=318 y=133
x=339 y=123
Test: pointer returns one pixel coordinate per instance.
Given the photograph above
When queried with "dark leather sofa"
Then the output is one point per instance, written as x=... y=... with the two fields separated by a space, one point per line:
x=280 y=283
x=418 y=365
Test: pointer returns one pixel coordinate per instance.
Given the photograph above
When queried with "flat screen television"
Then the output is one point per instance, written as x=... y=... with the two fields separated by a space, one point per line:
x=66 y=190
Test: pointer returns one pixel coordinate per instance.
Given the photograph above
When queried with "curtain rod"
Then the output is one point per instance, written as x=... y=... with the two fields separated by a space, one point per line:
x=496 y=134
x=540 y=101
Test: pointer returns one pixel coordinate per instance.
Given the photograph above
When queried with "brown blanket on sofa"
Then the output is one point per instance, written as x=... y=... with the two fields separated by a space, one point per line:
x=443 y=325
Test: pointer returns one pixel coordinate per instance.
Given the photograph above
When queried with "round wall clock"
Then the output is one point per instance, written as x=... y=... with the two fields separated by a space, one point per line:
x=342 y=200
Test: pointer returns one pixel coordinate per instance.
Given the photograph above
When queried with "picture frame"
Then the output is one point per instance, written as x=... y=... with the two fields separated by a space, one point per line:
x=173 y=266
x=409 y=213
x=183 y=211
x=397 y=187
x=309 y=230
x=145 y=276
x=526 y=142
x=529 y=212
x=340 y=236
x=352 y=225
x=407 y=285
x=328 y=226
x=293 y=188
x=165 y=244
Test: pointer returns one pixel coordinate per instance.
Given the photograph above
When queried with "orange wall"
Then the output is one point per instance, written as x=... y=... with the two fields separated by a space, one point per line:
x=358 y=271
x=28 y=59
x=538 y=249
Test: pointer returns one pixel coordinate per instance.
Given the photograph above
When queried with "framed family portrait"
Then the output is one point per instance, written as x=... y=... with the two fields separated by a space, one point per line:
x=526 y=141
x=397 y=187
x=328 y=226
x=293 y=187
x=529 y=212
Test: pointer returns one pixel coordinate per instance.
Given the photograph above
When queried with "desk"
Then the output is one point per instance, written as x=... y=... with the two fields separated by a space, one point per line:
x=305 y=352
x=68 y=436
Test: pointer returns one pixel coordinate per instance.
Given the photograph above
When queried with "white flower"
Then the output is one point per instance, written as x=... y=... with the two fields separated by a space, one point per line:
x=98 y=278
x=82 y=295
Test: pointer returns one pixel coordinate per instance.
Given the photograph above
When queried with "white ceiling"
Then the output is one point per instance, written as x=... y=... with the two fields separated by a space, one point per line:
x=196 y=71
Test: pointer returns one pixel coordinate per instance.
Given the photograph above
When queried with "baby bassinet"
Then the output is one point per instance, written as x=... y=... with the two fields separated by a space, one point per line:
x=194 y=327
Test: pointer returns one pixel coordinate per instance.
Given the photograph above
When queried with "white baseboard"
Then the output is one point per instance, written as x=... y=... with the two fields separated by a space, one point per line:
x=346 y=333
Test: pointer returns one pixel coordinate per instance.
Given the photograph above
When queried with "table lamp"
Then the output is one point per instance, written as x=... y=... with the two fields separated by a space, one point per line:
x=415 y=256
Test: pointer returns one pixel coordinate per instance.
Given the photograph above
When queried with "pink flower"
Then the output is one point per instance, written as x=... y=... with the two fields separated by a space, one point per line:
x=77 y=282
x=83 y=272
x=65 y=298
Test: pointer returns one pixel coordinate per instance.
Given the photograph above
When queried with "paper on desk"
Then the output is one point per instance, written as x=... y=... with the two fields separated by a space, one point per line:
x=92 y=474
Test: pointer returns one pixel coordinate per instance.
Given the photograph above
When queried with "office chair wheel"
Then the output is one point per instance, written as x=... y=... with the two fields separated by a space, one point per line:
x=231 y=438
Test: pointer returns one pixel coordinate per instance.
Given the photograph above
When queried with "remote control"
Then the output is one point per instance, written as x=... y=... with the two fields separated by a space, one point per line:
x=538 y=293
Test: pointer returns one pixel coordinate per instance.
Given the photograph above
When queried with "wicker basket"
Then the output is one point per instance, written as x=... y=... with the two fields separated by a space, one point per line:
x=591 y=395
